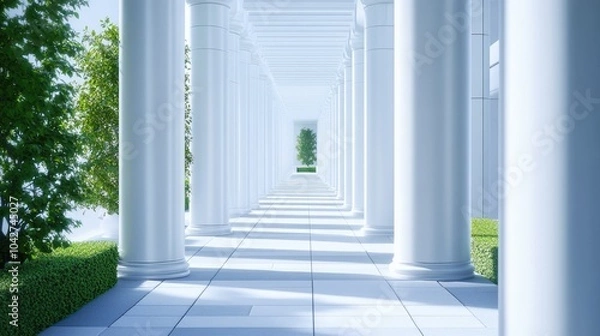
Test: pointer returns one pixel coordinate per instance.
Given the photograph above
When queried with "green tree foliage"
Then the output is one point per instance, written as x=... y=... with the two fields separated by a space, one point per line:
x=38 y=149
x=189 y=159
x=306 y=146
x=98 y=117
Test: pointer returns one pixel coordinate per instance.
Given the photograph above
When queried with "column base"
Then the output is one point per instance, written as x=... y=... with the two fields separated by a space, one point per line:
x=237 y=213
x=432 y=271
x=358 y=213
x=153 y=270
x=345 y=207
x=376 y=231
x=208 y=230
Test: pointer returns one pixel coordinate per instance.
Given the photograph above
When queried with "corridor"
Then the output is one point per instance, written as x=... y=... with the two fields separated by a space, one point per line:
x=295 y=266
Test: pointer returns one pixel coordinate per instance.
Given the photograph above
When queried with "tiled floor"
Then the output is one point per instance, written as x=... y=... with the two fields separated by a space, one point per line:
x=296 y=266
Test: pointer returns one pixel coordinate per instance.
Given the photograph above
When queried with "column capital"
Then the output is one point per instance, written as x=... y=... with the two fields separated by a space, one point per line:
x=262 y=74
x=347 y=55
x=357 y=39
x=227 y=3
x=359 y=17
x=238 y=18
x=247 y=45
x=367 y=3
x=238 y=24
x=256 y=59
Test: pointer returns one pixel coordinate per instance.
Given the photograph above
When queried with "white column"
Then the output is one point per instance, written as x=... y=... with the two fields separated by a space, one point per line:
x=253 y=129
x=335 y=147
x=347 y=137
x=273 y=143
x=550 y=97
x=245 y=111
x=232 y=123
x=151 y=192
x=267 y=134
x=358 y=113
x=379 y=117
x=432 y=128
x=262 y=98
x=209 y=43
x=340 y=141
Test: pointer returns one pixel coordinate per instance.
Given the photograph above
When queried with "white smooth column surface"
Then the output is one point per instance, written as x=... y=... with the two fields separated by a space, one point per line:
x=339 y=139
x=245 y=111
x=358 y=120
x=151 y=164
x=550 y=98
x=336 y=147
x=347 y=137
x=268 y=135
x=330 y=149
x=261 y=122
x=209 y=43
x=253 y=129
x=432 y=139
x=379 y=117
x=232 y=123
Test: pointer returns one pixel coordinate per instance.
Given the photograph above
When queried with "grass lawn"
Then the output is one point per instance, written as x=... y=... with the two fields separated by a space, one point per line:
x=484 y=247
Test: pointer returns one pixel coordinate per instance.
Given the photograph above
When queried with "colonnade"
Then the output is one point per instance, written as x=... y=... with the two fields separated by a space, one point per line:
x=236 y=121
x=235 y=112
x=409 y=130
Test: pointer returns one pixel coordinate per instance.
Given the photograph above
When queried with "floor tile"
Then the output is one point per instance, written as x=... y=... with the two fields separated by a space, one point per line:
x=219 y=310
x=162 y=311
x=242 y=332
x=363 y=331
x=137 y=331
x=147 y=321
x=72 y=331
x=245 y=322
x=281 y=311
x=447 y=322
x=371 y=321
x=459 y=332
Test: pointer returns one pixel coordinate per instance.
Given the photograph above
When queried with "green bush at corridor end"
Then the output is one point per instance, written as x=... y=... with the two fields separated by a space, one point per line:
x=306 y=169
x=484 y=247
x=53 y=286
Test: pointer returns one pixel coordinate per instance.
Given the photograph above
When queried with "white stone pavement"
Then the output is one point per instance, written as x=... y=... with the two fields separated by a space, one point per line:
x=296 y=266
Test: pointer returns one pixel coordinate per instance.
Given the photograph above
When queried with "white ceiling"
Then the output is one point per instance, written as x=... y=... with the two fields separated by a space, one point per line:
x=302 y=42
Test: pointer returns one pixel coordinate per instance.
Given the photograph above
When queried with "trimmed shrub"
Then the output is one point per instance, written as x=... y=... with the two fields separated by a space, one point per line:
x=484 y=247
x=306 y=169
x=55 y=285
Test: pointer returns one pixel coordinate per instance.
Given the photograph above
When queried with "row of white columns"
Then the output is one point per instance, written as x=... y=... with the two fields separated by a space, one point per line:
x=411 y=182
x=236 y=117
x=550 y=185
x=550 y=125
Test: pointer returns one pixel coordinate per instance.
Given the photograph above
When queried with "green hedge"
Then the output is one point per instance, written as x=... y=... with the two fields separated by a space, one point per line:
x=306 y=169
x=55 y=285
x=484 y=247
